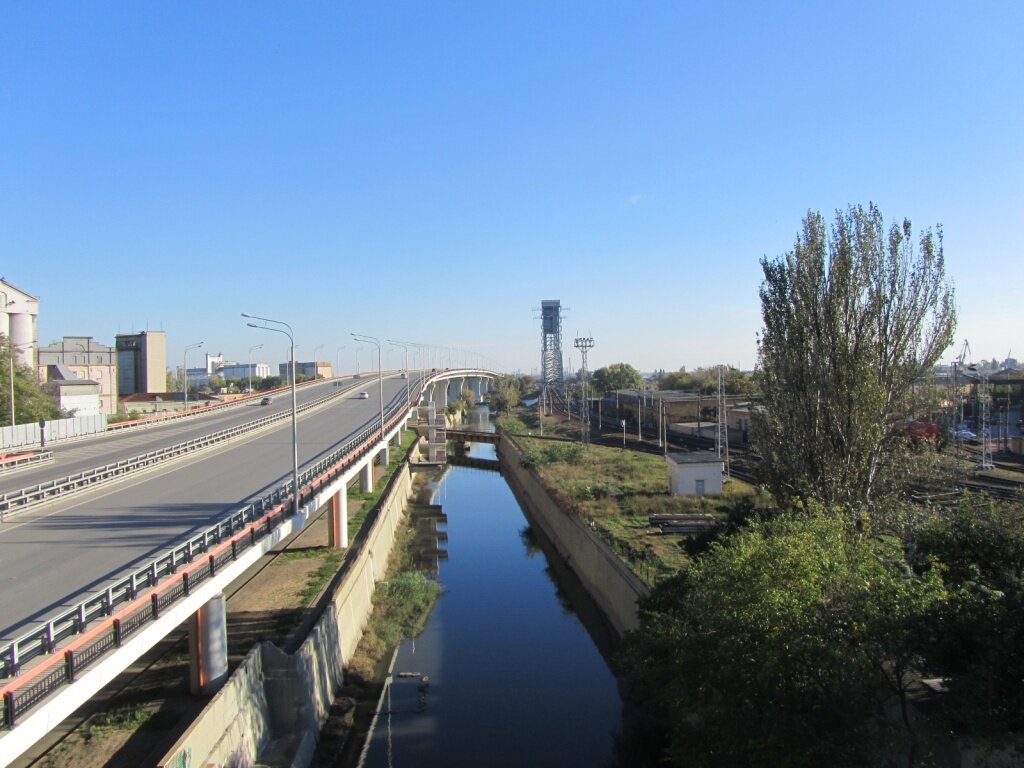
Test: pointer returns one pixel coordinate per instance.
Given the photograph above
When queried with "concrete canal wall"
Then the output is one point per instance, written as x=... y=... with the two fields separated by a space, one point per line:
x=274 y=705
x=608 y=580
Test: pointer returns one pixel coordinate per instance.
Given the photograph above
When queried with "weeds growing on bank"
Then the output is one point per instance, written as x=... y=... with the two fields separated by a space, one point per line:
x=616 y=491
x=401 y=606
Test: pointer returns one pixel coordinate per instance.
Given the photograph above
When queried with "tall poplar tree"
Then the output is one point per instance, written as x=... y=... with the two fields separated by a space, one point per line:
x=853 y=316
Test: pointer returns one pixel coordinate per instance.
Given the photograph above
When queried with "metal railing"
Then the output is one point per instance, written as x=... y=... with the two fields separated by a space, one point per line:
x=80 y=481
x=22 y=460
x=198 y=558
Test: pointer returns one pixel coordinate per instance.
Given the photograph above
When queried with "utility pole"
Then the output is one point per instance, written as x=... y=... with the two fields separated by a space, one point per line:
x=584 y=345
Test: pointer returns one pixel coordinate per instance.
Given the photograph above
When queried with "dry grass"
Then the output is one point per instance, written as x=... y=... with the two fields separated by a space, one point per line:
x=617 y=491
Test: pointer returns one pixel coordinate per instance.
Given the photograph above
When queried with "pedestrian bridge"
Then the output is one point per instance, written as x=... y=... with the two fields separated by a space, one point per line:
x=60 y=663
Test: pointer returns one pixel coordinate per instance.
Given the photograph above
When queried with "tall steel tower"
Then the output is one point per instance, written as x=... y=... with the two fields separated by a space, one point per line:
x=552 y=375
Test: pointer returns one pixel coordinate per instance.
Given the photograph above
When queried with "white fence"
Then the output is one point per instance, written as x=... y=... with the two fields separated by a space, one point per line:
x=28 y=435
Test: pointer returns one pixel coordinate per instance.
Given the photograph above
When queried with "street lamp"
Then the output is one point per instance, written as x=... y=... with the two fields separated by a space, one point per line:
x=256 y=346
x=338 y=372
x=184 y=369
x=316 y=368
x=295 y=429
x=380 y=374
x=404 y=345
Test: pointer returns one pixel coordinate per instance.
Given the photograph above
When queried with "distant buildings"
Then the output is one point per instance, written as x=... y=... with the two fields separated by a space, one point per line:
x=19 y=317
x=82 y=358
x=141 y=363
x=315 y=370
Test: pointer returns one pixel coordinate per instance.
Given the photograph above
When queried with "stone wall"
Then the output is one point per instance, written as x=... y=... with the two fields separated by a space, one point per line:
x=608 y=580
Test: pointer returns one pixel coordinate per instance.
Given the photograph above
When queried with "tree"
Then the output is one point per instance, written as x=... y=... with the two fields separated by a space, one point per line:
x=31 y=403
x=676 y=380
x=616 y=376
x=504 y=394
x=775 y=646
x=852 y=318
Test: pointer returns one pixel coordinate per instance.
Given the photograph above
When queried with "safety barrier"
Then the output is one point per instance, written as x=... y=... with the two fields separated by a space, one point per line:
x=83 y=480
x=13 y=461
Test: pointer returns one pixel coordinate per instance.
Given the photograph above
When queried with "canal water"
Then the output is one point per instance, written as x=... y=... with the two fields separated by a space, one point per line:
x=505 y=673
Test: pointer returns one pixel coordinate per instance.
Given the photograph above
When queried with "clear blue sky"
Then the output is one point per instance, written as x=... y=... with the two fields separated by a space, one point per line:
x=432 y=171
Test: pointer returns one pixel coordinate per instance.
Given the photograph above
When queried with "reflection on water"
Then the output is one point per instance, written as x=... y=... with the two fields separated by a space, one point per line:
x=504 y=673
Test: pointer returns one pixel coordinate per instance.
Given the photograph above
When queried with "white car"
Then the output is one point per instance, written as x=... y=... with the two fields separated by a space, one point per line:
x=363 y=395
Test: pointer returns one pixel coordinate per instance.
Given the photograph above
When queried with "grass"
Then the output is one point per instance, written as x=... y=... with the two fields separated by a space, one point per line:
x=124 y=717
x=361 y=502
x=330 y=558
x=401 y=607
x=616 y=491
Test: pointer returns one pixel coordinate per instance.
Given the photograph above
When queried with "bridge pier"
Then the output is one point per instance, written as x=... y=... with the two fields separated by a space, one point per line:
x=208 y=646
x=384 y=456
x=337 y=531
x=366 y=477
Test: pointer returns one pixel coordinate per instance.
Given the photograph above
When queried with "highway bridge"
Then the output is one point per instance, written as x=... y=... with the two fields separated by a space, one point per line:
x=89 y=581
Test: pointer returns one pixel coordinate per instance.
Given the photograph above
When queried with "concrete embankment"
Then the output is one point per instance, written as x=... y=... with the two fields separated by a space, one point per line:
x=611 y=584
x=275 y=703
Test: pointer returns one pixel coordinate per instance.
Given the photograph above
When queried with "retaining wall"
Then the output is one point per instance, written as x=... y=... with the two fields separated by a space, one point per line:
x=280 y=701
x=611 y=584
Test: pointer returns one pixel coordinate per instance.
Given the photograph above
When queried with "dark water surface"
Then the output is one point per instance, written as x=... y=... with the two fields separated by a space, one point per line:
x=514 y=678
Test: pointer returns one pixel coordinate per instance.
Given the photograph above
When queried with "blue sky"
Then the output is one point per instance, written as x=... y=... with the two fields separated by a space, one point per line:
x=432 y=171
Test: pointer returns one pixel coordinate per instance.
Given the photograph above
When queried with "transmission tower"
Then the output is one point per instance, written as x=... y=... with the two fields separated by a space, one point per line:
x=584 y=345
x=723 y=424
x=552 y=375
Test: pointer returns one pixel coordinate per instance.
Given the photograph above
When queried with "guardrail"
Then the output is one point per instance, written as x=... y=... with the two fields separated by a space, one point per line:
x=219 y=543
x=15 y=500
x=21 y=460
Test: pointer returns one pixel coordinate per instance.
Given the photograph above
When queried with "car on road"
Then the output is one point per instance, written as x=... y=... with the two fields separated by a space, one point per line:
x=363 y=395
x=963 y=433
x=266 y=400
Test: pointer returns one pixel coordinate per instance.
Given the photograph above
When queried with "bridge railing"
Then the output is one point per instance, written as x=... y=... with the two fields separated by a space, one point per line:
x=220 y=543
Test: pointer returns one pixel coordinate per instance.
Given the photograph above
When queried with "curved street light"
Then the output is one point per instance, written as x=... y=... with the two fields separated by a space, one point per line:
x=254 y=347
x=380 y=374
x=404 y=345
x=184 y=370
x=295 y=430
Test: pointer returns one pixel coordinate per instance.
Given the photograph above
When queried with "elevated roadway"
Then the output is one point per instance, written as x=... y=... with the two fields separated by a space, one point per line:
x=53 y=555
x=84 y=454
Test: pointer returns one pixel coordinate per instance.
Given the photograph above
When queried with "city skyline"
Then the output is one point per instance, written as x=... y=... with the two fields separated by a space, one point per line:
x=433 y=174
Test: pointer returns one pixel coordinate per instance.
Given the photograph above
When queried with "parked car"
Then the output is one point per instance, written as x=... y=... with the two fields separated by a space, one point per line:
x=266 y=400
x=363 y=395
x=963 y=433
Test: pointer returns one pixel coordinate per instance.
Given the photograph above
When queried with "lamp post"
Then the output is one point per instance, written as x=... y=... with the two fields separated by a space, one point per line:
x=316 y=368
x=184 y=370
x=380 y=374
x=338 y=372
x=404 y=345
x=295 y=430
x=255 y=346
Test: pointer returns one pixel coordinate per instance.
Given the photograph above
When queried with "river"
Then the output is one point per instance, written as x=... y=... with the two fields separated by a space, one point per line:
x=514 y=678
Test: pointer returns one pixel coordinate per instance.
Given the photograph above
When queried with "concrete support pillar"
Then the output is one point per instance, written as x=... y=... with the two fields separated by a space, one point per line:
x=337 y=530
x=366 y=477
x=384 y=456
x=208 y=647
x=396 y=439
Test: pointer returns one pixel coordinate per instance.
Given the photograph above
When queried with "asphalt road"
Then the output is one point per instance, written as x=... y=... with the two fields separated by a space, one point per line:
x=53 y=556
x=75 y=456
